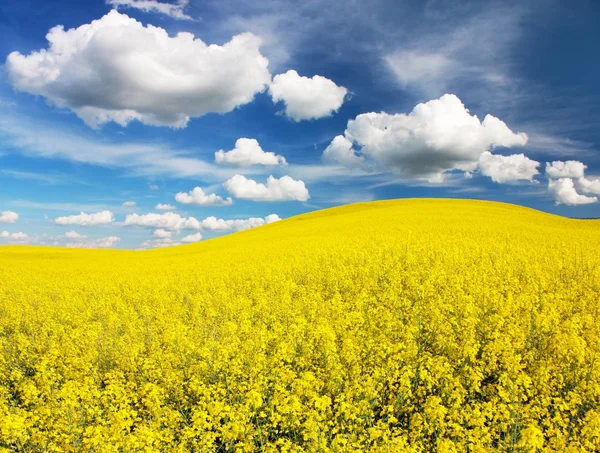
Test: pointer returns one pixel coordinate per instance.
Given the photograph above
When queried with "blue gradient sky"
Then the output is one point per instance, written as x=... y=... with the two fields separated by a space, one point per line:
x=532 y=64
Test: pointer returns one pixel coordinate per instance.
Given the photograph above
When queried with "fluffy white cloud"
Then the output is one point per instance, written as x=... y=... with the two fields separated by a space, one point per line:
x=164 y=207
x=437 y=136
x=174 y=10
x=564 y=192
x=162 y=233
x=13 y=236
x=341 y=150
x=248 y=152
x=167 y=221
x=129 y=204
x=508 y=168
x=307 y=98
x=192 y=237
x=566 y=178
x=589 y=185
x=116 y=69
x=199 y=198
x=8 y=217
x=214 y=224
x=282 y=189
x=100 y=243
x=74 y=235
x=567 y=169
x=83 y=219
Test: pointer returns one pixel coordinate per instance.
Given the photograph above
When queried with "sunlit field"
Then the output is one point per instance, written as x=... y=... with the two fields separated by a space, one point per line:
x=409 y=325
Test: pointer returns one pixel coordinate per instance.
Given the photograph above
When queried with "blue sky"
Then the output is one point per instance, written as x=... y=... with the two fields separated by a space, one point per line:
x=312 y=104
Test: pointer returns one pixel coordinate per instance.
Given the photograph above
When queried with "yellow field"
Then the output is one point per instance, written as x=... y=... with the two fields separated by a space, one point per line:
x=412 y=325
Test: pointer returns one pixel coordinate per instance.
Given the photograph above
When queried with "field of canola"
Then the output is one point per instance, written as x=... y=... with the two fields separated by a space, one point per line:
x=407 y=325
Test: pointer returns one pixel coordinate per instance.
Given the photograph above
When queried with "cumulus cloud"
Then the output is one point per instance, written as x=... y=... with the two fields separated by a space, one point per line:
x=214 y=224
x=508 y=168
x=83 y=219
x=116 y=69
x=567 y=179
x=589 y=185
x=192 y=237
x=13 y=236
x=162 y=233
x=164 y=207
x=567 y=169
x=106 y=242
x=167 y=221
x=74 y=235
x=564 y=192
x=341 y=150
x=8 y=217
x=282 y=189
x=248 y=152
x=129 y=204
x=174 y=10
x=199 y=198
x=437 y=136
x=307 y=98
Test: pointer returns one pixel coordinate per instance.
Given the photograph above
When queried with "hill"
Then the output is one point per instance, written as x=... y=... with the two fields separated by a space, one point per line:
x=403 y=325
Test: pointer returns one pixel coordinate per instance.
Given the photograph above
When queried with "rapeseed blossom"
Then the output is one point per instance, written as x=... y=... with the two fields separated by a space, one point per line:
x=412 y=325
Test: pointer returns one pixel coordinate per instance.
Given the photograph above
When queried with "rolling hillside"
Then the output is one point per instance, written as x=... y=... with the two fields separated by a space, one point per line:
x=403 y=325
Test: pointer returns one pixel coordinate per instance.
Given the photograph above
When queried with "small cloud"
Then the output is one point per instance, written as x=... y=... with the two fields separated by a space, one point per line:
x=199 y=198
x=83 y=219
x=8 y=217
x=306 y=98
x=165 y=207
x=282 y=189
x=129 y=204
x=247 y=152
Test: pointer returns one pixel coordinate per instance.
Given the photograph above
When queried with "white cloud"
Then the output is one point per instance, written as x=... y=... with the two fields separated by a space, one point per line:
x=164 y=207
x=282 y=189
x=153 y=187
x=247 y=152
x=192 y=237
x=214 y=224
x=13 y=236
x=8 y=217
x=162 y=233
x=567 y=169
x=129 y=204
x=307 y=98
x=341 y=150
x=589 y=185
x=74 y=235
x=106 y=242
x=508 y=168
x=167 y=221
x=83 y=219
x=199 y=198
x=437 y=136
x=566 y=178
x=174 y=10
x=116 y=69
x=564 y=192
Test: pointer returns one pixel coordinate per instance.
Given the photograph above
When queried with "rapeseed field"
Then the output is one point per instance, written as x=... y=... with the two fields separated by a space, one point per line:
x=395 y=326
